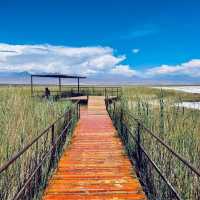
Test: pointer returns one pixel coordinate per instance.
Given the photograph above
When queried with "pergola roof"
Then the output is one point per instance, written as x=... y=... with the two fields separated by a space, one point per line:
x=57 y=76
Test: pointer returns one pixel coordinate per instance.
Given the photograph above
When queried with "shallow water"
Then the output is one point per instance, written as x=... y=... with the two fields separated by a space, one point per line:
x=190 y=89
x=193 y=105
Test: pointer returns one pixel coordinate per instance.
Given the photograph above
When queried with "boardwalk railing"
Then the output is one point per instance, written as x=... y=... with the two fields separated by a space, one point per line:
x=34 y=162
x=175 y=179
x=68 y=91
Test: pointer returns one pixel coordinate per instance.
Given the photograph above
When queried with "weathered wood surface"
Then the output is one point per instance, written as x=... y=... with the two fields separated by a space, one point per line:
x=95 y=165
x=75 y=98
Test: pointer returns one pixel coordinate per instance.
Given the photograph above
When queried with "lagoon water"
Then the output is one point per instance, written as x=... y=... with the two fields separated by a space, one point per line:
x=189 y=89
x=193 y=105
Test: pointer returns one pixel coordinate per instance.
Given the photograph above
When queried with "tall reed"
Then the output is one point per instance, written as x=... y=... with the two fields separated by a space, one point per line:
x=22 y=118
x=177 y=126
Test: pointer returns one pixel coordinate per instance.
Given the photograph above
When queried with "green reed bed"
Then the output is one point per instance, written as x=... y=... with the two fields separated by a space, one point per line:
x=177 y=126
x=22 y=118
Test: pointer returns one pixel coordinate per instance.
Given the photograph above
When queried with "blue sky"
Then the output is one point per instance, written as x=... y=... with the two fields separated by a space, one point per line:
x=146 y=38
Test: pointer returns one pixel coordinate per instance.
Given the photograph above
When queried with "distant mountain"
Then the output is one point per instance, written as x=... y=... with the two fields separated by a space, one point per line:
x=14 y=78
x=24 y=78
x=14 y=74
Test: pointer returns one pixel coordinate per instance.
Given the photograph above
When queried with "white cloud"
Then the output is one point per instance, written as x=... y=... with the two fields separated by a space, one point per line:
x=143 y=31
x=124 y=70
x=60 y=59
x=190 y=68
x=135 y=51
x=90 y=61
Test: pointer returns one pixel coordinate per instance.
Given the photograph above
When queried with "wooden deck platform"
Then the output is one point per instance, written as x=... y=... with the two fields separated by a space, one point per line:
x=80 y=98
x=94 y=166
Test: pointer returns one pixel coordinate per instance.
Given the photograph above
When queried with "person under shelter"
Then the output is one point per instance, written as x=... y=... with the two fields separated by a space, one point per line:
x=47 y=93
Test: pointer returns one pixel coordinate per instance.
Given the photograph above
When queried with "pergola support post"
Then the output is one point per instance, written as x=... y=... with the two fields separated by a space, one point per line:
x=59 y=85
x=78 y=86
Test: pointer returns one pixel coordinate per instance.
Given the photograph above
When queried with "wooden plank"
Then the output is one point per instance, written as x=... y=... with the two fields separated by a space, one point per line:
x=95 y=165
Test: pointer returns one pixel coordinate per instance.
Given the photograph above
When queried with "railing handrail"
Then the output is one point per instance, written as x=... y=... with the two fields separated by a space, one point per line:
x=81 y=87
x=152 y=162
x=40 y=164
x=18 y=154
x=85 y=86
x=177 y=155
x=154 y=135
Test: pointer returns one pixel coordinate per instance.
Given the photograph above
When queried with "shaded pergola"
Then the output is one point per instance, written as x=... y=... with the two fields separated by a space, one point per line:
x=59 y=77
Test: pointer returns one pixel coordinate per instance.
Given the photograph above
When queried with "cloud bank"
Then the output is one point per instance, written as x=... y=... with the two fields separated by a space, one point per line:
x=190 y=68
x=60 y=59
x=97 y=62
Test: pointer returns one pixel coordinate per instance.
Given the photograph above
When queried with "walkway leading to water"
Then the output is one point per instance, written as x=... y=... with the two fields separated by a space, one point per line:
x=94 y=166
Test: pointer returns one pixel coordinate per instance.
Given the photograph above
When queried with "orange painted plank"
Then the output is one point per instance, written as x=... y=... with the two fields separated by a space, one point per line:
x=95 y=165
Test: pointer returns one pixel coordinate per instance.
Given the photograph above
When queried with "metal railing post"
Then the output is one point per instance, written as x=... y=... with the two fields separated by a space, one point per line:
x=126 y=135
x=53 y=143
x=106 y=101
x=70 y=117
x=138 y=144
x=121 y=120
x=93 y=91
x=88 y=92
x=77 y=109
x=71 y=91
x=114 y=111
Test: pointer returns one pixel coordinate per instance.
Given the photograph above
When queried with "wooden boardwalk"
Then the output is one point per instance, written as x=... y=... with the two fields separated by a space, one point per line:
x=94 y=166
